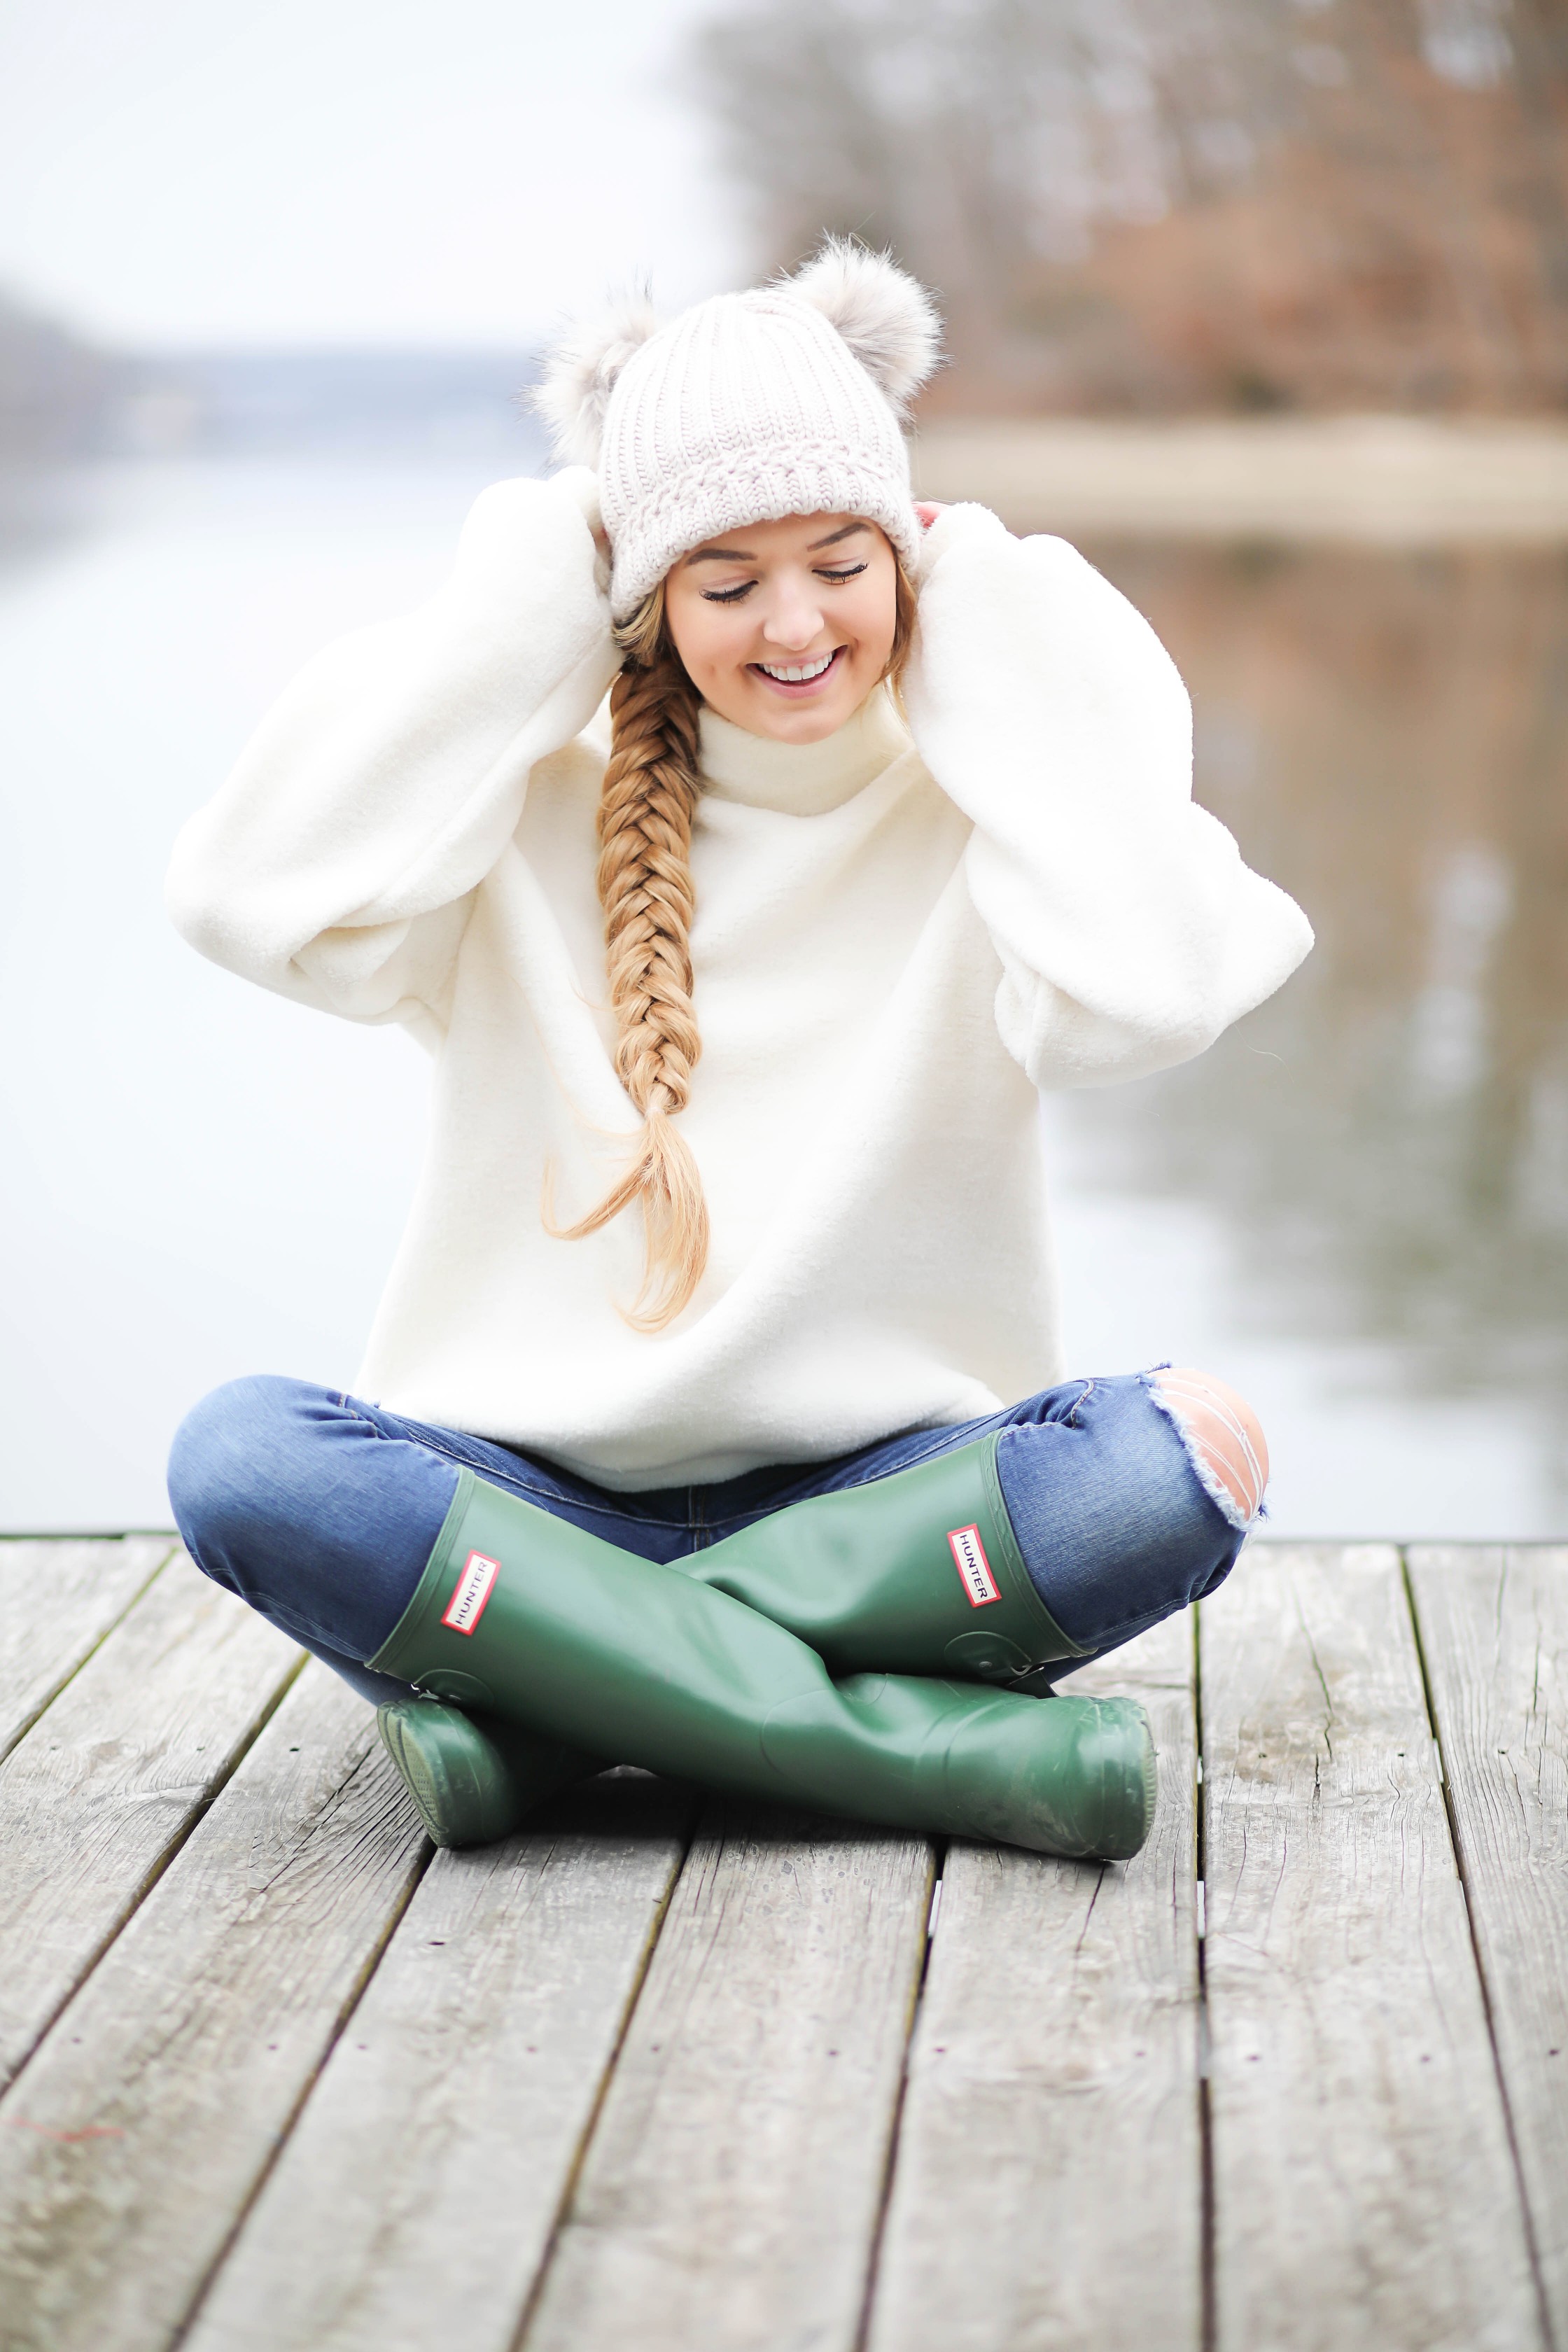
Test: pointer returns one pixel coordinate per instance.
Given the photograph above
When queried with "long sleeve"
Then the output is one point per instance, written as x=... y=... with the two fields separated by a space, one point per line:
x=338 y=863
x=1128 y=931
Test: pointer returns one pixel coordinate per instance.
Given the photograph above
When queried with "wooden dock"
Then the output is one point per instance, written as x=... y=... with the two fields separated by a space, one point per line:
x=666 y=2075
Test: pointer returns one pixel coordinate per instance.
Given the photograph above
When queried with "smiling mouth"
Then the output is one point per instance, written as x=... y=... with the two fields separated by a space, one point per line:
x=797 y=674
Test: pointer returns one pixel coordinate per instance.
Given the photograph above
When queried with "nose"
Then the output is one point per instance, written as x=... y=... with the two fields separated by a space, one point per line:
x=793 y=620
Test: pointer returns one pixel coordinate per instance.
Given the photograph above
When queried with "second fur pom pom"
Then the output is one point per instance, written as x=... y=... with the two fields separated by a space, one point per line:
x=888 y=320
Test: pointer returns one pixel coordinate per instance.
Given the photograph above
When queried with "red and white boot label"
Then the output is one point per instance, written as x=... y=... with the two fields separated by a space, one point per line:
x=471 y=1591
x=969 y=1558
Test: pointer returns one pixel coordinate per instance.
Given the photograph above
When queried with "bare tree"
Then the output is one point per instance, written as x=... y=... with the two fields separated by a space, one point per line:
x=1180 y=202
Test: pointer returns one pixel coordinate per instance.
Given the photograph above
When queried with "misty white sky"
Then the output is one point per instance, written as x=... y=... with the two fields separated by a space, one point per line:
x=189 y=172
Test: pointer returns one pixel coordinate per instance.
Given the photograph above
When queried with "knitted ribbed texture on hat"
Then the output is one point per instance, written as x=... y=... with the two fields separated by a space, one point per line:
x=746 y=408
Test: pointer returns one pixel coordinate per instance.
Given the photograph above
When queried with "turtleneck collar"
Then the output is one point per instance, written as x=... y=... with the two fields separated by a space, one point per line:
x=802 y=779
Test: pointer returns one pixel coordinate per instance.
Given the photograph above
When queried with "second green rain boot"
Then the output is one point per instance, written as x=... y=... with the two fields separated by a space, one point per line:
x=526 y=1616
x=916 y=1573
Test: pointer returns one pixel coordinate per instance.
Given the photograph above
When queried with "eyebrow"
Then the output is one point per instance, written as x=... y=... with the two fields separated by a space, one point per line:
x=740 y=555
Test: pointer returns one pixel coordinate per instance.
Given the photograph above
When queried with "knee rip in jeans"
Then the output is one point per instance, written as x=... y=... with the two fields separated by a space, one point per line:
x=1223 y=1439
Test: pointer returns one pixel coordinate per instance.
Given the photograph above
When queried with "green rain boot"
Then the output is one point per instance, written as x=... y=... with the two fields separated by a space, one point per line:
x=526 y=1616
x=917 y=1574
x=474 y=1778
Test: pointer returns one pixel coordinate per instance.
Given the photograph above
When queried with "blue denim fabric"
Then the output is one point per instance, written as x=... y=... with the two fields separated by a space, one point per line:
x=321 y=1510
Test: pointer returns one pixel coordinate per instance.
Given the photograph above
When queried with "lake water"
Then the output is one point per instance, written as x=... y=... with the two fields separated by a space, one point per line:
x=1355 y=1207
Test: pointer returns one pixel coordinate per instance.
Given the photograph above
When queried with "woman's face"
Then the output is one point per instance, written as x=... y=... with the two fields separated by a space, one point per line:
x=785 y=628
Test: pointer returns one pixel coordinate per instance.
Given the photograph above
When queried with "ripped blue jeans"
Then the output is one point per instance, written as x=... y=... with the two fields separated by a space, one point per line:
x=321 y=1510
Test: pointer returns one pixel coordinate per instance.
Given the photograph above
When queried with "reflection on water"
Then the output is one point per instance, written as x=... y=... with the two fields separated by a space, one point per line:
x=1356 y=1206
x=1387 y=735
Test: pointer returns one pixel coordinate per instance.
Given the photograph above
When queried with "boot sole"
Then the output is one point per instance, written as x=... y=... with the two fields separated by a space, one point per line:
x=1133 y=1797
x=452 y=1817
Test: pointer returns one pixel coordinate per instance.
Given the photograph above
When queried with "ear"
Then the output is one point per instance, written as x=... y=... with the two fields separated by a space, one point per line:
x=889 y=321
x=580 y=371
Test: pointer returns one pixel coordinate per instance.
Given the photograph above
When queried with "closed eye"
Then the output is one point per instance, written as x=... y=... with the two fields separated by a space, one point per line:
x=837 y=578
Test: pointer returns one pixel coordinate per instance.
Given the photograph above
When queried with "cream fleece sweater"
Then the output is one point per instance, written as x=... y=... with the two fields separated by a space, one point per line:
x=897 y=944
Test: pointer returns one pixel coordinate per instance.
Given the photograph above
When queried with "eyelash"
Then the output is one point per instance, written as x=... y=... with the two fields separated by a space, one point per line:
x=733 y=596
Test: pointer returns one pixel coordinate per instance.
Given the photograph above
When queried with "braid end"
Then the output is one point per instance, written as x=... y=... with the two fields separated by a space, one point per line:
x=664 y=1179
x=675 y=1214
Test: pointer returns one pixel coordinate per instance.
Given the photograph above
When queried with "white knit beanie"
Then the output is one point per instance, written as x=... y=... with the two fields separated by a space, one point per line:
x=784 y=401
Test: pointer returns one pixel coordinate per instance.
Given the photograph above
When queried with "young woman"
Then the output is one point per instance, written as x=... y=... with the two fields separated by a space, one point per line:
x=713 y=1418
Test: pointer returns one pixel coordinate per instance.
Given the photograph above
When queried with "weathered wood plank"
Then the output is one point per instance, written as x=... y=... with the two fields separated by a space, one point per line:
x=58 y=1600
x=1364 y=2191
x=130 y=2144
x=1047 y=2191
x=729 y=2195
x=107 y=1782
x=416 y=2197
x=1494 y=1630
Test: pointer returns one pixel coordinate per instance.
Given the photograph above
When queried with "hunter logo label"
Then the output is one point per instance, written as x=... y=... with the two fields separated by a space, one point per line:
x=471 y=1591
x=969 y=1557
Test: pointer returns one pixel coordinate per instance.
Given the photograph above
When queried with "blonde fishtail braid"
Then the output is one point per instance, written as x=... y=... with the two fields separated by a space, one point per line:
x=645 y=808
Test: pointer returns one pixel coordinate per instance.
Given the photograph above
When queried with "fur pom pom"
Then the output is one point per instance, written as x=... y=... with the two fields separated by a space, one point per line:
x=580 y=371
x=889 y=321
